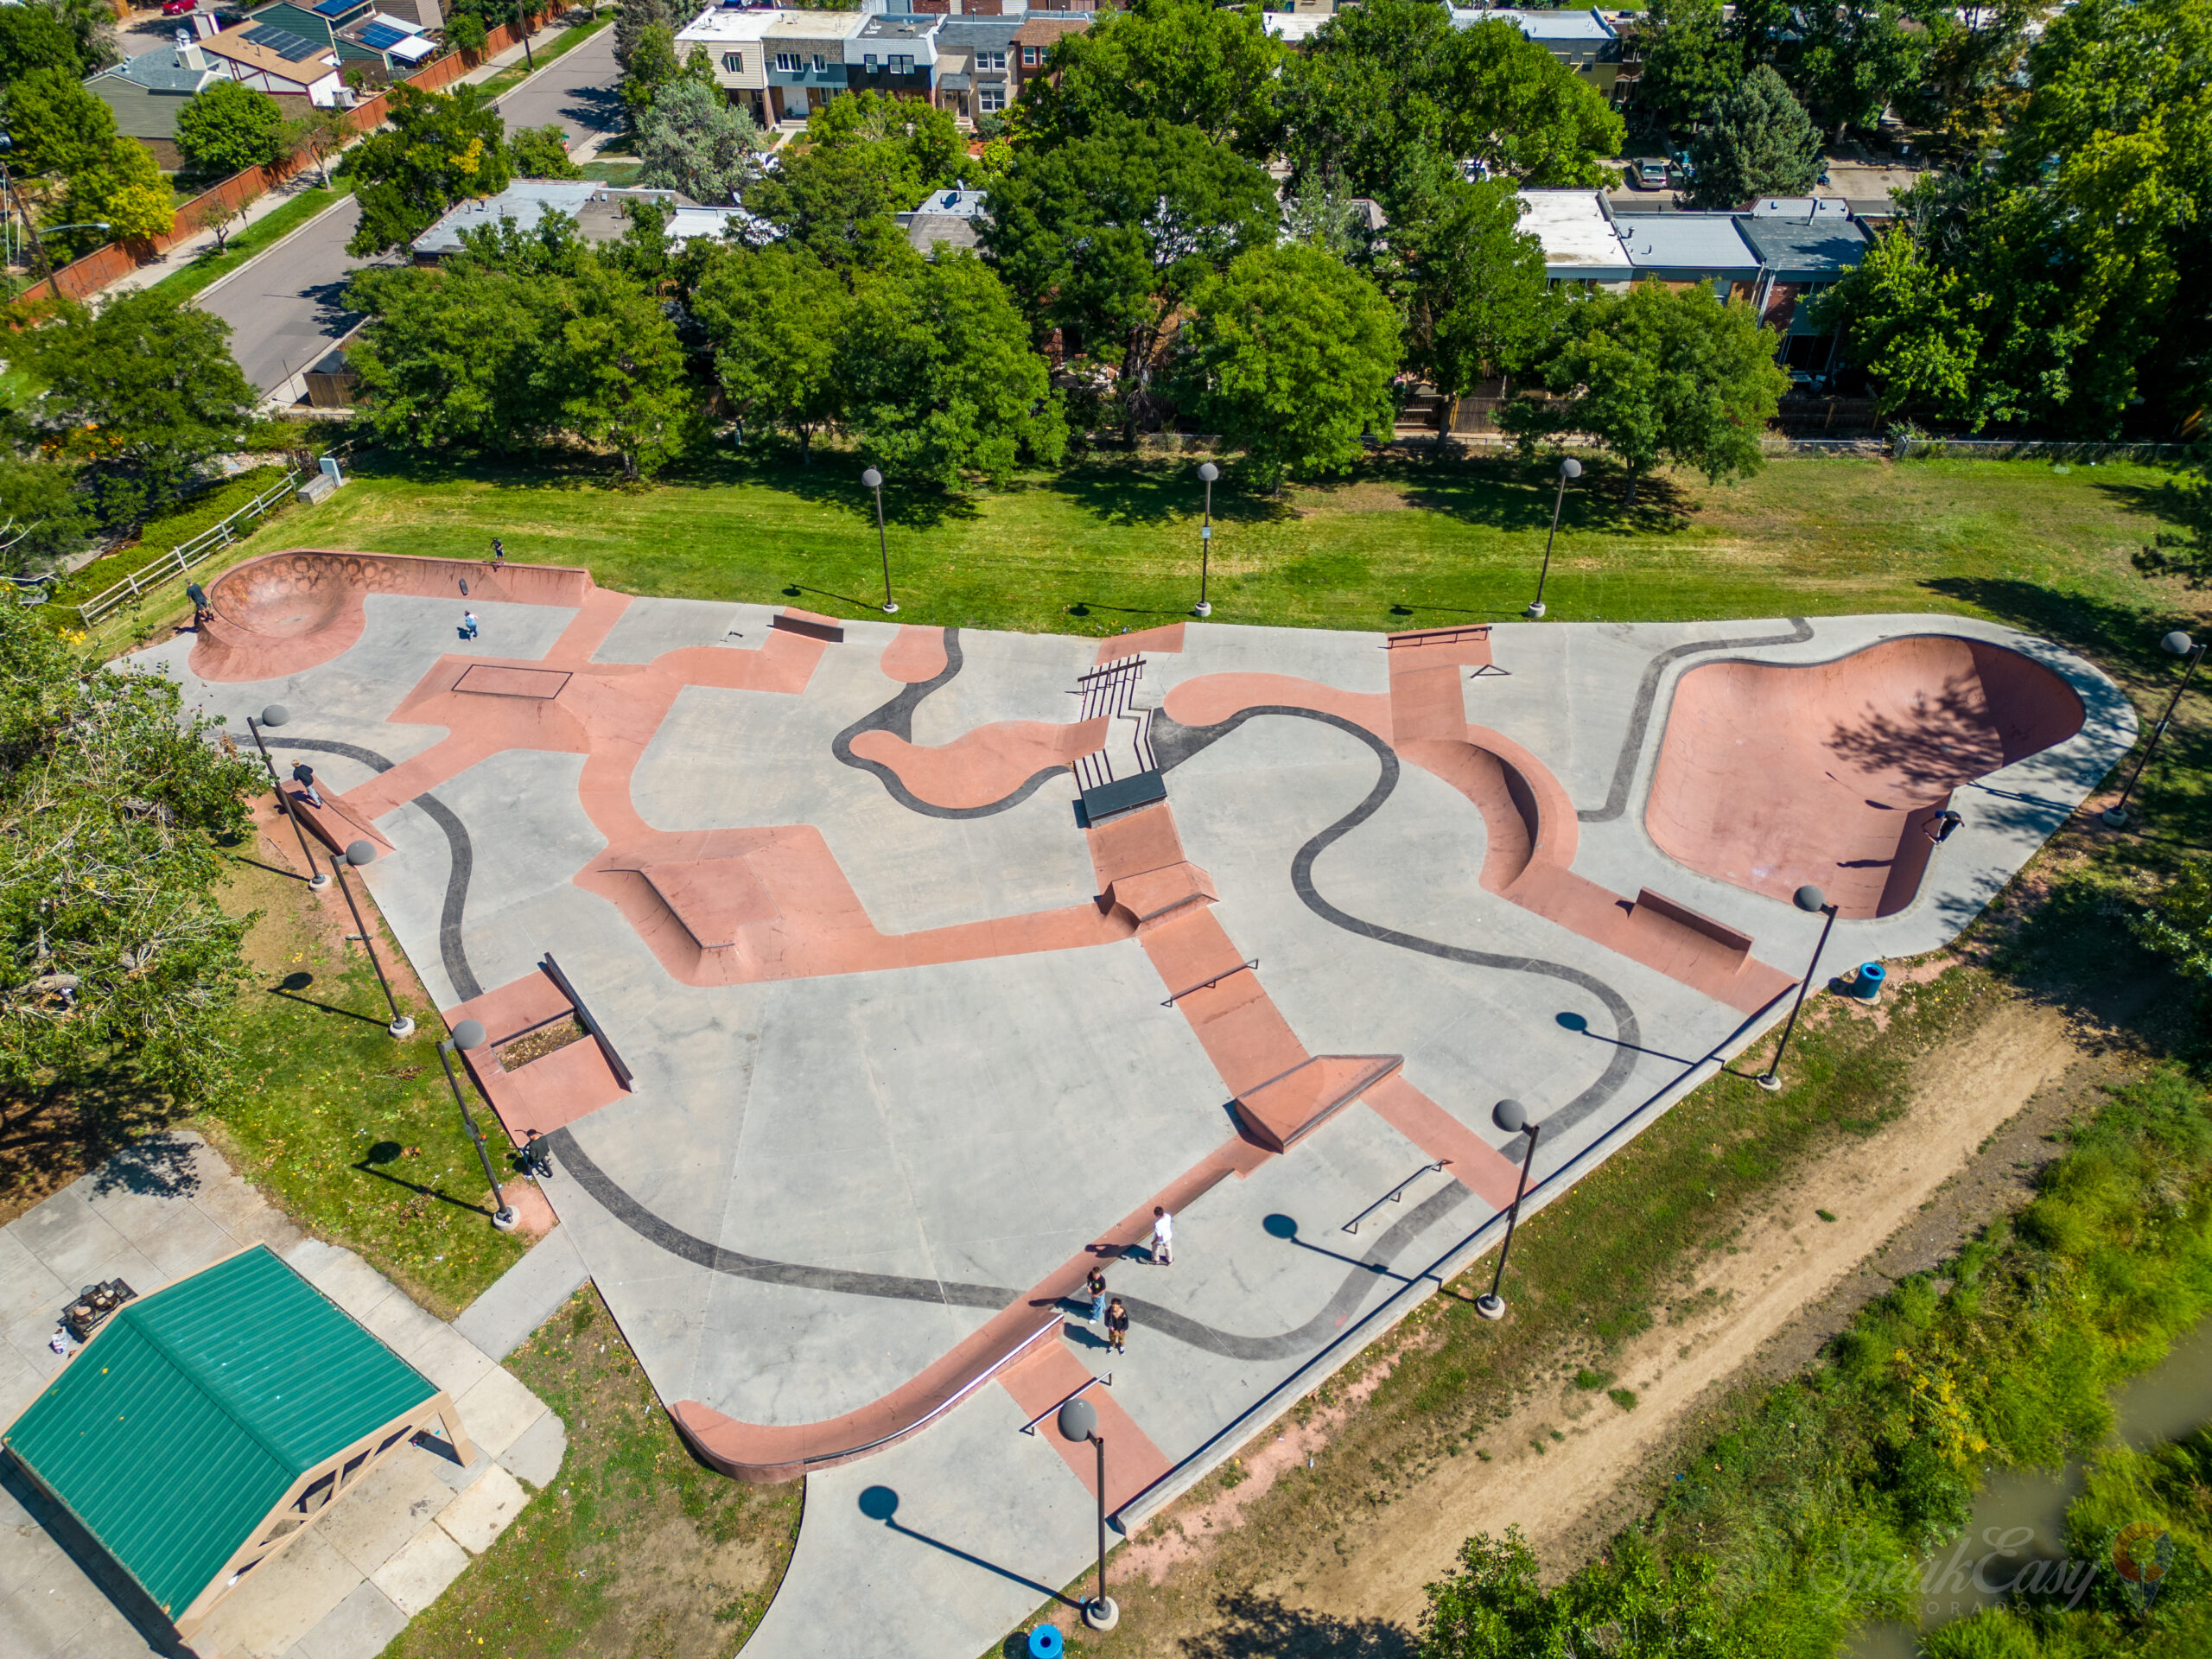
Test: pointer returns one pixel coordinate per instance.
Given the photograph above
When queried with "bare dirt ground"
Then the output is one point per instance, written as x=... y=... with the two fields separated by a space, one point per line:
x=1570 y=1466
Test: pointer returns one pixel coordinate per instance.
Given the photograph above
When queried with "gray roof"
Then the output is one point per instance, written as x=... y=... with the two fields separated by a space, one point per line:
x=900 y=28
x=1825 y=245
x=597 y=209
x=982 y=31
x=160 y=71
x=1687 y=242
x=145 y=94
x=924 y=231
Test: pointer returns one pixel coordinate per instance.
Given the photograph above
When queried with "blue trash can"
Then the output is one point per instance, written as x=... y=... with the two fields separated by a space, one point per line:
x=1867 y=988
x=1046 y=1642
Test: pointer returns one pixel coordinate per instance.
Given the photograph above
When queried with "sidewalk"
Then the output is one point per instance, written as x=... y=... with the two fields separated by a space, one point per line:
x=162 y=1209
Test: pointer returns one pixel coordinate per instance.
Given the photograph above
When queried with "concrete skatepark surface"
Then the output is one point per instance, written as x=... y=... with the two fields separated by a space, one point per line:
x=896 y=1042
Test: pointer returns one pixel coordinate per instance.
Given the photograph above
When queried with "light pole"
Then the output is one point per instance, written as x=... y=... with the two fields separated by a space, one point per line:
x=1209 y=471
x=469 y=1033
x=1809 y=898
x=1569 y=469
x=273 y=716
x=1079 y=1421
x=362 y=852
x=522 y=23
x=873 y=480
x=1513 y=1117
x=2180 y=645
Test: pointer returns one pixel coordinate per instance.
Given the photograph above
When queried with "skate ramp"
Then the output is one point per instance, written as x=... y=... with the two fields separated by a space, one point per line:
x=285 y=612
x=1772 y=777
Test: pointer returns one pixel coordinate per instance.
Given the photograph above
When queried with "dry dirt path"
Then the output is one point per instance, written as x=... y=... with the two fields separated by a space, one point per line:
x=1782 y=1263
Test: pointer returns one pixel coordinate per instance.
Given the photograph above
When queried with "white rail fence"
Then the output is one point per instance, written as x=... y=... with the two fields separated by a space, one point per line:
x=179 y=559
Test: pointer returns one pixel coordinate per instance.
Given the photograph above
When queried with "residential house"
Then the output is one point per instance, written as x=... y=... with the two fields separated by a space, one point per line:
x=404 y=44
x=950 y=218
x=1770 y=260
x=1034 y=38
x=1800 y=255
x=895 y=53
x=978 y=61
x=279 y=61
x=808 y=54
x=1586 y=41
x=600 y=210
x=146 y=91
x=733 y=39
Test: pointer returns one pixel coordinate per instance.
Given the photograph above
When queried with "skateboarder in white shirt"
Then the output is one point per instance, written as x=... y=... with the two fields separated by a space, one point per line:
x=1163 y=1237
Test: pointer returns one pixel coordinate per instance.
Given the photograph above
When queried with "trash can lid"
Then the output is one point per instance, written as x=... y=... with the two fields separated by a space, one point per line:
x=1046 y=1642
x=1872 y=970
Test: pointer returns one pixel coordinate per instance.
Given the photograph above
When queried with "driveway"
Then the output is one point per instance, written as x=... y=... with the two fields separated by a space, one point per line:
x=285 y=308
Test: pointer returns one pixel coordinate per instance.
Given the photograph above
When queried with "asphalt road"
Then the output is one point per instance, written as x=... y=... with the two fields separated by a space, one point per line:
x=284 y=308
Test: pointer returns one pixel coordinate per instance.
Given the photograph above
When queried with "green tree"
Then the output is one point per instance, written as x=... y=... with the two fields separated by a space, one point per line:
x=777 y=318
x=125 y=191
x=1857 y=55
x=1688 y=61
x=144 y=391
x=227 y=127
x=867 y=157
x=318 y=133
x=1911 y=326
x=651 y=64
x=42 y=514
x=2176 y=923
x=452 y=358
x=941 y=382
x=437 y=149
x=57 y=128
x=1290 y=355
x=116 y=960
x=1390 y=98
x=1635 y=1606
x=621 y=371
x=1108 y=235
x=541 y=153
x=1659 y=375
x=467 y=30
x=1972 y=85
x=1479 y=303
x=1757 y=141
x=635 y=17
x=695 y=140
x=1178 y=62
x=91 y=25
x=31 y=37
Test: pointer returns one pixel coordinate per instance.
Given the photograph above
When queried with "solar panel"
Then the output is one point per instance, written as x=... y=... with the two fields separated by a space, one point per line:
x=382 y=36
x=336 y=8
x=285 y=44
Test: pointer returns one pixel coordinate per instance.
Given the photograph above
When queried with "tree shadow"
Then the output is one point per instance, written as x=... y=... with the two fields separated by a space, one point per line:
x=2167 y=501
x=1504 y=492
x=159 y=1166
x=1129 y=491
x=1254 y=1627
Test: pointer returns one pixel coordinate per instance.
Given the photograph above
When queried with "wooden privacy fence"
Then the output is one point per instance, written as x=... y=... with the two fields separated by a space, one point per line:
x=116 y=260
x=178 y=559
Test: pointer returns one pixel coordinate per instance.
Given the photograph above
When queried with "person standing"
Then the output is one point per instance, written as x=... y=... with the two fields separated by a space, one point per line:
x=499 y=552
x=201 y=608
x=1096 y=1284
x=303 y=775
x=1163 y=1237
x=1117 y=1325
x=468 y=624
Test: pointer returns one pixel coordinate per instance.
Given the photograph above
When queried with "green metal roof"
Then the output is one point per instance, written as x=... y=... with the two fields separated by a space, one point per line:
x=184 y=1421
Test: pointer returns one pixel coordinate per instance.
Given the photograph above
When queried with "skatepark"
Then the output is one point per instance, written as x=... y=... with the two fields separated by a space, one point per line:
x=924 y=962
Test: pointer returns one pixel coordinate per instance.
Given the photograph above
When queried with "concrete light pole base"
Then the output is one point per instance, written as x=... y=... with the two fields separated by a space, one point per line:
x=2115 y=818
x=1203 y=608
x=318 y=881
x=1768 y=1081
x=1489 y=1307
x=1535 y=611
x=505 y=1219
x=1102 y=1615
x=402 y=1027
x=890 y=609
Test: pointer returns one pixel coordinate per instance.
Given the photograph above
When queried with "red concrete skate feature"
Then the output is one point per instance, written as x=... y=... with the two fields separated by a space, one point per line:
x=1047 y=1375
x=985 y=764
x=916 y=655
x=1284 y=1111
x=1773 y=777
x=551 y=1091
x=1160 y=642
x=738 y=906
x=280 y=613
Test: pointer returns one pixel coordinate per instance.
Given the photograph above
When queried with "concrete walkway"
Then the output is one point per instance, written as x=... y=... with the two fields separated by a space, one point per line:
x=163 y=1208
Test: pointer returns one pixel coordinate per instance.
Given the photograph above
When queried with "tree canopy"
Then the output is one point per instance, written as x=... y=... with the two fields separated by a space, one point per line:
x=696 y=141
x=1635 y=1606
x=778 y=319
x=1478 y=302
x=116 y=957
x=1688 y=61
x=437 y=149
x=1393 y=98
x=1757 y=141
x=1107 y=236
x=542 y=153
x=942 y=383
x=144 y=391
x=227 y=127
x=1177 y=63
x=32 y=37
x=1660 y=375
x=866 y=158
x=1290 y=353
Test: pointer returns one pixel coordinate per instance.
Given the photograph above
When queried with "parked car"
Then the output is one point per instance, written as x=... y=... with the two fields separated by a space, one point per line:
x=178 y=8
x=1651 y=173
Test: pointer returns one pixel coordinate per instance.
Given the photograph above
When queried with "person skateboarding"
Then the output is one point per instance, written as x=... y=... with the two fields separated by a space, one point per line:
x=1944 y=826
x=201 y=610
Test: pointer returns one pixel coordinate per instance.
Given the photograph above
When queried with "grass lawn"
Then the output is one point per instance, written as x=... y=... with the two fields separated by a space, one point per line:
x=264 y=233
x=352 y=1134
x=623 y=172
x=636 y=1549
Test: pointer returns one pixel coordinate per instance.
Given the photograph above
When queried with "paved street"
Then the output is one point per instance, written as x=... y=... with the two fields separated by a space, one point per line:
x=284 y=308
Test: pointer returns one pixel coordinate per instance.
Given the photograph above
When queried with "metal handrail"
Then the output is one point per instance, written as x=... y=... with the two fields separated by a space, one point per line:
x=178 y=559
x=1395 y=1194
x=1084 y=1387
x=1254 y=965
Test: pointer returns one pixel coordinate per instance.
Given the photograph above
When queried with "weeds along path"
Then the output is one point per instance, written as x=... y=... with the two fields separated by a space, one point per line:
x=1783 y=1261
